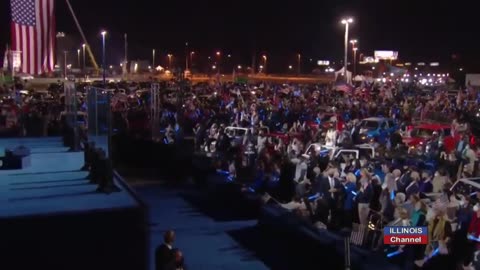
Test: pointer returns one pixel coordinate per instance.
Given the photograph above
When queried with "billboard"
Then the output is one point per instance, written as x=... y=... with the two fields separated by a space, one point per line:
x=386 y=55
x=323 y=62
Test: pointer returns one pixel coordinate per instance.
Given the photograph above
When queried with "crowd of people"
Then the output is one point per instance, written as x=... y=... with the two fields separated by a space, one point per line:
x=283 y=142
x=265 y=135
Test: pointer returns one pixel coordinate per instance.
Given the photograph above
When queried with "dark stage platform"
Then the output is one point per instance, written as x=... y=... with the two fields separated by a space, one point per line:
x=52 y=218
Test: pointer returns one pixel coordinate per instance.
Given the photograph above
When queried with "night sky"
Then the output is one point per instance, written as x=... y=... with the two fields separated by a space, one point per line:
x=419 y=30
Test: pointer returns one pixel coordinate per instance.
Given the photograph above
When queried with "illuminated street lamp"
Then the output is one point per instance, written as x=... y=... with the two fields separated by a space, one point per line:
x=239 y=67
x=346 y=22
x=169 y=61
x=219 y=54
x=153 y=57
x=191 y=58
x=78 y=58
x=290 y=67
x=265 y=63
x=299 y=58
x=355 y=49
x=104 y=33
x=83 y=47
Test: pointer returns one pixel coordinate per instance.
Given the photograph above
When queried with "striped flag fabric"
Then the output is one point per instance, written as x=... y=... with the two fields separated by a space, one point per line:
x=33 y=34
x=343 y=87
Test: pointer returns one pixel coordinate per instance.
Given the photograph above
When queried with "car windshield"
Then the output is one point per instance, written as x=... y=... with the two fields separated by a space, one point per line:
x=369 y=124
x=422 y=132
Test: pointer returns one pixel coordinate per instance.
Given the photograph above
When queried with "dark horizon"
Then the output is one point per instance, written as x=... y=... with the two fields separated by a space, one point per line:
x=421 y=32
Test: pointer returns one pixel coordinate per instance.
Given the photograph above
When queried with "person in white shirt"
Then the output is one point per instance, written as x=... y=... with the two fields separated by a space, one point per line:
x=300 y=169
x=261 y=141
x=331 y=137
x=470 y=156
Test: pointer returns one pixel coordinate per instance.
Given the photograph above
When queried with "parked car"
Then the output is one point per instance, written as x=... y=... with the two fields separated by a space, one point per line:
x=424 y=132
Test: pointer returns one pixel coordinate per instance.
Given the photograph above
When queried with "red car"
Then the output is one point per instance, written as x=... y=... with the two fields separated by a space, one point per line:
x=423 y=132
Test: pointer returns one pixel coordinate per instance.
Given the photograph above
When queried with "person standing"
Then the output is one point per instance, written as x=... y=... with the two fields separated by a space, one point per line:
x=364 y=197
x=331 y=189
x=348 y=206
x=166 y=257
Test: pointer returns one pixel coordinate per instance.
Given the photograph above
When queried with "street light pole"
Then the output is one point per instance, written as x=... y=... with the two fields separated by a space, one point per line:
x=299 y=58
x=104 y=33
x=265 y=64
x=78 y=55
x=347 y=22
x=153 y=58
x=186 y=56
x=169 y=61
x=84 y=65
x=65 y=64
x=354 y=49
x=219 y=57
x=355 y=61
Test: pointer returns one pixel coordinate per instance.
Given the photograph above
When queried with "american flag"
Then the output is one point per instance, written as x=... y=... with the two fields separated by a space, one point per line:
x=33 y=33
x=343 y=87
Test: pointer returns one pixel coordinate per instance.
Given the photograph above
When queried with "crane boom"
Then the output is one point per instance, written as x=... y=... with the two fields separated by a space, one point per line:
x=87 y=46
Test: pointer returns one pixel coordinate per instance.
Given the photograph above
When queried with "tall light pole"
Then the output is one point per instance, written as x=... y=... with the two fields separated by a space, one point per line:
x=355 y=60
x=219 y=57
x=346 y=22
x=169 y=61
x=153 y=58
x=84 y=65
x=299 y=60
x=264 y=64
x=186 y=56
x=78 y=56
x=65 y=53
x=191 y=58
x=354 y=49
x=104 y=65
